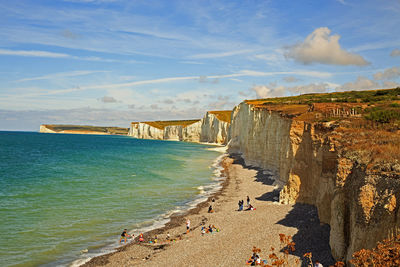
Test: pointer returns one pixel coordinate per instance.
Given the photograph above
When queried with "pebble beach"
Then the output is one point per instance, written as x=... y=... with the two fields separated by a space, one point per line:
x=239 y=231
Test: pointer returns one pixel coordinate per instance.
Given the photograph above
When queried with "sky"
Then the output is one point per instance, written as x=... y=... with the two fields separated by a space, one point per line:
x=110 y=62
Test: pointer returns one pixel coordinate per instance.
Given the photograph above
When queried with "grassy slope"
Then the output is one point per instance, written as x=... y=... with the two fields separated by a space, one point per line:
x=86 y=128
x=162 y=124
x=222 y=115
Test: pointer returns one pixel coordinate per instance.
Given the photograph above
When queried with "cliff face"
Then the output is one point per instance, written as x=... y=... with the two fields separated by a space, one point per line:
x=359 y=205
x=44 y=129
x=145 y=131
x=209 y=129
x=214 y=130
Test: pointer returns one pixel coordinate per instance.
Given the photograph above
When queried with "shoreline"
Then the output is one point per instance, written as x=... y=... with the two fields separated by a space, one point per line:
x=240 y=231
x=175 y=220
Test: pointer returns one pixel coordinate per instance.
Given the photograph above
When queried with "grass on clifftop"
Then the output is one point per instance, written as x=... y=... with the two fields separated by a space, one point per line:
x=87 y=128
x=162 y=124
x=222 y=115
x=367 y=107
x=365 y=124
x=371 y=96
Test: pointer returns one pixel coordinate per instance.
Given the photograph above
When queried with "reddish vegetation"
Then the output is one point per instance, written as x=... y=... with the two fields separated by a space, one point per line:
x=385 y=254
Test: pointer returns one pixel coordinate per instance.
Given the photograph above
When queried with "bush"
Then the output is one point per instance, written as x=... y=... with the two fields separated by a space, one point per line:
x=383 y=116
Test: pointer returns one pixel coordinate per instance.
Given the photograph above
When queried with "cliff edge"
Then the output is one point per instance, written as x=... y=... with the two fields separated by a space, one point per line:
x=342 y=157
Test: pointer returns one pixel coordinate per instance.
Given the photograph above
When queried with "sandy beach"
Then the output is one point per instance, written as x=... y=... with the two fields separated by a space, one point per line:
x=239 y=230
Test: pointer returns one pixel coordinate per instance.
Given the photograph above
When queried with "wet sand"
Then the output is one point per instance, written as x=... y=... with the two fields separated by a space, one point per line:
x=239 y=230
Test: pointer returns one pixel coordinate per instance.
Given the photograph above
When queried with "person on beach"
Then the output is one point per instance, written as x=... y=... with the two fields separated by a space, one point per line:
x=248 y=201
x=124 y=236
x=187 y=226
x=250 y=207
x=241 y=204
x=203 y=230
x=168 y=237
x=141 y=239
x=210 y=209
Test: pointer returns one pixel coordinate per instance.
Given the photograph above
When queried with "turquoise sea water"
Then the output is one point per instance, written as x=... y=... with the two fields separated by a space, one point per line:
x=61 y=194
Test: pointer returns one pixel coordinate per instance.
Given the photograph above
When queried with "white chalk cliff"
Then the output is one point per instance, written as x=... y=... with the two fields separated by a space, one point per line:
x=209 y=129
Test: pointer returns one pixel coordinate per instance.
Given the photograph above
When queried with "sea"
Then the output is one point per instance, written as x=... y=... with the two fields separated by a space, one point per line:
x=66 y=198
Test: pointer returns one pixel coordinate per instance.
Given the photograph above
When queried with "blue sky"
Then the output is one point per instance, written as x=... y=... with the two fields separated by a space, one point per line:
x=110 y=62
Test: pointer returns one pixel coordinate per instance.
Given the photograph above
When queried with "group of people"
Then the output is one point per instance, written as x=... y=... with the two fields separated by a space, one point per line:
x=255 y=260
x=209 y=229
x=249 y=206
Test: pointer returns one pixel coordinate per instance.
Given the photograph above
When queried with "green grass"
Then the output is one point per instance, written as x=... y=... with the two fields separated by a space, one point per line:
x=371 y=96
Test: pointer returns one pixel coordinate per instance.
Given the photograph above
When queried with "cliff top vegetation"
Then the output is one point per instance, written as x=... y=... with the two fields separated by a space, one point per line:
x=365 y=109
x=87 y=128
x=365 y=125
x=222 y=115
x=162 y=124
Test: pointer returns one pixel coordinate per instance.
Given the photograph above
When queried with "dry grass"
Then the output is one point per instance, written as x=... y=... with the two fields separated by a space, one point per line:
x=87 y=128
x=374 y=147
x=162 y=124
x=222 y=115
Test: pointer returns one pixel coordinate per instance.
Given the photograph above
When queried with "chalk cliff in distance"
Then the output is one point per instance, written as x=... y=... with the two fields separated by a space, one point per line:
x=213 y=128
x=82 y=129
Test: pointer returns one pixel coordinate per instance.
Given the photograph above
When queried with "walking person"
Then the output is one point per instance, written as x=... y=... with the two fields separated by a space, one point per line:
x=124 y=236
x=248 y=201
x=187 y=226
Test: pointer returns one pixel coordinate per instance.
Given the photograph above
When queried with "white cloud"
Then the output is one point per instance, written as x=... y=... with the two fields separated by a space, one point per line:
x=342 y=2
x=388 y=74
x=61 y=75
x=362 y=83
x=395 y=52
x=32 y=53
x=390 y=84
x=273 y=90
x=290 y=79
x=221 y=54
x=223 y=102
x=242 y=73
x=262 y=91
x=108 y=99
x=46 y=54
x=321 y=47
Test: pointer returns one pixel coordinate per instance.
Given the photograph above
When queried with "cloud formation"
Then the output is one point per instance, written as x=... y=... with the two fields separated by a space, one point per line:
x=272 y=90
x=395 y=53
x=362 y=83
x=108 y=99
x=388 y=74
x=291 y=79
x=321 y=47
x=32 y=53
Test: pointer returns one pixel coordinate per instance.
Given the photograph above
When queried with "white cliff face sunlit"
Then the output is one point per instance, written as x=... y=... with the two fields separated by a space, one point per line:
x=210 y=129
